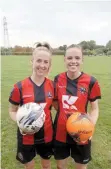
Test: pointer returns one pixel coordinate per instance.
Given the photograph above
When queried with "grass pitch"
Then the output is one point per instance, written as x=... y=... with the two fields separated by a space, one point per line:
x=15 y=68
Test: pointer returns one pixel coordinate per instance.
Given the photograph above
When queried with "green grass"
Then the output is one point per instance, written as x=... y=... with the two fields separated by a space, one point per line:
x=15 y=68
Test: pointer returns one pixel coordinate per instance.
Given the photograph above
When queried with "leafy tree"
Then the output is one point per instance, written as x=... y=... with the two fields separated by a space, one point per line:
x=61 y=48
x=91 y=44
x=109 y=53
x=105 y=50
x=64 y=47
x=84 y=45
x=99 y=51
x=108 y=45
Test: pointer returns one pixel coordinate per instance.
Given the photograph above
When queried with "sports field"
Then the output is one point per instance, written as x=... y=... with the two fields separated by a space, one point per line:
x=15 y=68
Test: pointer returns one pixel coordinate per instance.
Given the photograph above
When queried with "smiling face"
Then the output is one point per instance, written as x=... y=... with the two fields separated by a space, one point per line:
x=41 y=62
x=73 y=59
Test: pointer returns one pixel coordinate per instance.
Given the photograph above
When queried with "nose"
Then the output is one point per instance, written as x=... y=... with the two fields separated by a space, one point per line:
x=73 y=60
x=42 y=64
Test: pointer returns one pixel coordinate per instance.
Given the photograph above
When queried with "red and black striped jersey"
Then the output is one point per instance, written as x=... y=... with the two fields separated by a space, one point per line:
x=27 y=91
x=72 y=96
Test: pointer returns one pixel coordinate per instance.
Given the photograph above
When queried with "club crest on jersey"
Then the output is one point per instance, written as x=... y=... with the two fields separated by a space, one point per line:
x=83 y=90
x=49 y=94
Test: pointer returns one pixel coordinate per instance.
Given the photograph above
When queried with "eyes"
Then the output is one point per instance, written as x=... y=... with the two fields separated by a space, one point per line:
x=71 y=57
x=44 y=61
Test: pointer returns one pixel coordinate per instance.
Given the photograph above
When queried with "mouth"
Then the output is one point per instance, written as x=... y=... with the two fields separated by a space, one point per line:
x=73 y=66
x=40 y=70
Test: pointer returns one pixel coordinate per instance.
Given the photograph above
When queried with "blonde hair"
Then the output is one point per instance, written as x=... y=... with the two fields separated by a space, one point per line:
x=42 y=46
x=38 y=46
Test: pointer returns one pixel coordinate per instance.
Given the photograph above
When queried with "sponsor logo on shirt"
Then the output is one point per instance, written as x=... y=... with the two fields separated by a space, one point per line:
x=61 y=86
x=27 y=95
x=69 y=101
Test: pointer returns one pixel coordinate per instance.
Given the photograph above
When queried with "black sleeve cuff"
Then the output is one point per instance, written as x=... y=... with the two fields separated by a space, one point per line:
x=92 y=100
x=15 y=103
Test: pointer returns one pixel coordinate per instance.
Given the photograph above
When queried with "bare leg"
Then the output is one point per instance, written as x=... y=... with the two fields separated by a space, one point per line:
x=62 y=164
x=45 y=164
x=30 y=165
x=81 y=166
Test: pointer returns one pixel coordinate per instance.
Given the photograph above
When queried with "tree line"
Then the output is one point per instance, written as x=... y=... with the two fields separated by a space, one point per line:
x=89 y=48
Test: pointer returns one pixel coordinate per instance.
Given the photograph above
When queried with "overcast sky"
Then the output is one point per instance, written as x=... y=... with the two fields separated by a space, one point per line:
x=56 y=21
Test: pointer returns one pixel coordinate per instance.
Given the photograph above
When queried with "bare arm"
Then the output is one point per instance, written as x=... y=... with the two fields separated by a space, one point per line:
x=12 y=111
x=94 y=111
